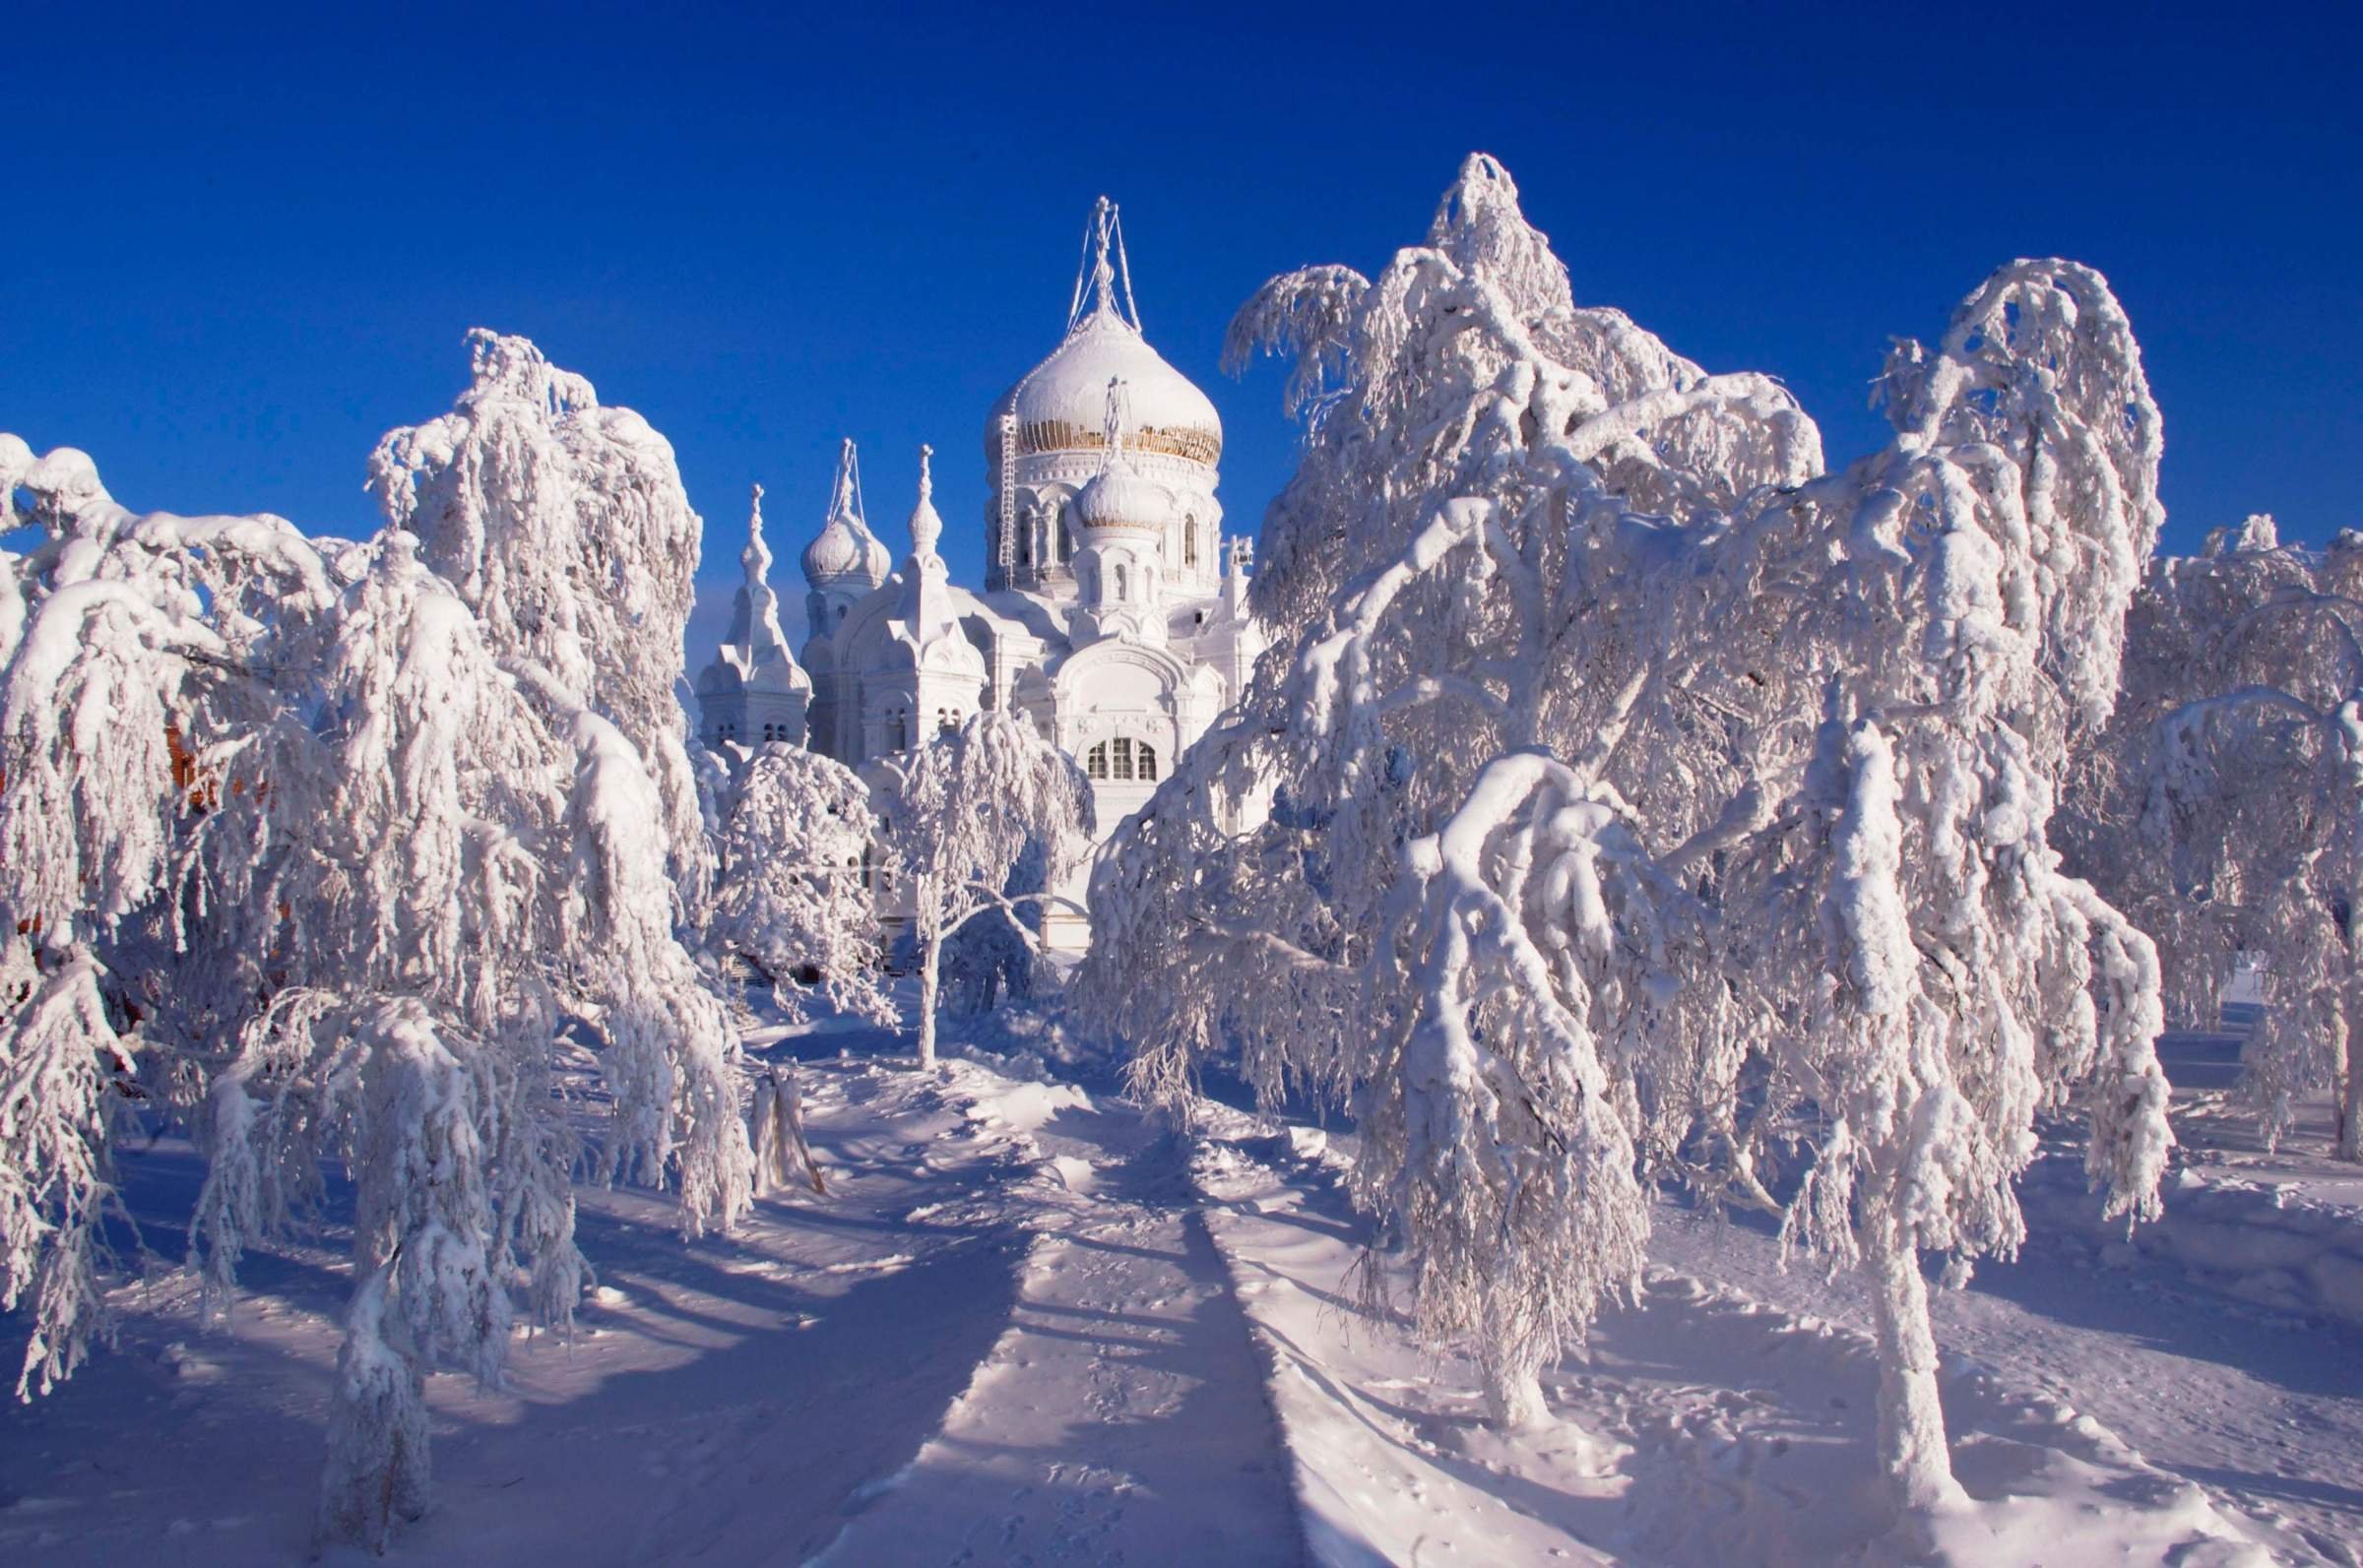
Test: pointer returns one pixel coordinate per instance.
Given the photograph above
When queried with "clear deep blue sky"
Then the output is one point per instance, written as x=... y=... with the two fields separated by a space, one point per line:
x=244 y=245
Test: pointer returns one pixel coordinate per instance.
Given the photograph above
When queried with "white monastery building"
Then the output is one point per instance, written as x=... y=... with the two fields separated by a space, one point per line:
x=1114 y=612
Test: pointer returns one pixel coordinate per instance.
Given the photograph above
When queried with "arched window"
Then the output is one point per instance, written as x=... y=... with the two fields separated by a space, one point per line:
x=1025 y=546
x=1189 y=541
x=1148 y=763
x=1124 y=584
x=947 y=720
x=1120 y=763
x=898 y=730
x=1095 y=764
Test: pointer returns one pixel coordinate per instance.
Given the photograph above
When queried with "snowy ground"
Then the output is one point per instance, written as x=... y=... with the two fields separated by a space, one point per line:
x=1027 y=1325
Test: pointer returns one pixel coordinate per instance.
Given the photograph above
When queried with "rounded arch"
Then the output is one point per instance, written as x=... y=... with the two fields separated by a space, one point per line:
x=1136 y=676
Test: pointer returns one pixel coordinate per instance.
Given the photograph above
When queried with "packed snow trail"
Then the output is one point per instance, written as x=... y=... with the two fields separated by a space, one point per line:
x=740 y=1400
x=1122 y=1417
x=1025 y=1327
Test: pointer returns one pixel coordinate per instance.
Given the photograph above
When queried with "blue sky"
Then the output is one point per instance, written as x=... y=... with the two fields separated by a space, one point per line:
x=245 y=244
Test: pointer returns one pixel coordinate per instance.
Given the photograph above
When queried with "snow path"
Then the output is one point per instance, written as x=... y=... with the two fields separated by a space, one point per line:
x=740 y=1400
x=1122 y=1417
x=720 y=1402
x=1025 y=1327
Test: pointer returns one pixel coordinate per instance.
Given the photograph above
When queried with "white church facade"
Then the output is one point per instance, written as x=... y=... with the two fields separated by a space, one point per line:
x=1114 y=612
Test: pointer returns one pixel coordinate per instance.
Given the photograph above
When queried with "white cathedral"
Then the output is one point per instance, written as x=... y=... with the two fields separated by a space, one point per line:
x=1113 y=613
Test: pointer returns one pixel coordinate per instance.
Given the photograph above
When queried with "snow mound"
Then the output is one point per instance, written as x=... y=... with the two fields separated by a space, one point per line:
x=1024 y=1107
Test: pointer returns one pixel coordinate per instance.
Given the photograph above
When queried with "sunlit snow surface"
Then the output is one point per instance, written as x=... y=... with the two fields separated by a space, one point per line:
x=1027 y=1325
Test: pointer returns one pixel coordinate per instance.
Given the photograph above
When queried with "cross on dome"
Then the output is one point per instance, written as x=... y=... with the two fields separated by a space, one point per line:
x=845 y=550
x=756 y=557
x=1111 y=428
x=845 y=492
x=1104 y=245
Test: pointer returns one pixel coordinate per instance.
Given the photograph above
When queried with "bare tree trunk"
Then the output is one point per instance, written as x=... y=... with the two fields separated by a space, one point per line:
x=931 y=963
x=1513 y=1394
x=1911 y=1415
x=2347 y=1080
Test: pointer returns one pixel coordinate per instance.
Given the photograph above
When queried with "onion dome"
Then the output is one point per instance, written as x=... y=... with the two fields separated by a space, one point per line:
x=1117 y=497
x=1059 y=403
x=845 y=550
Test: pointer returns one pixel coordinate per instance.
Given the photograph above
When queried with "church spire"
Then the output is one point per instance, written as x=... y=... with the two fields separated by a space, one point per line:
x=927 y=604
x=756 y=612
x=755 y=691
x=927 y=525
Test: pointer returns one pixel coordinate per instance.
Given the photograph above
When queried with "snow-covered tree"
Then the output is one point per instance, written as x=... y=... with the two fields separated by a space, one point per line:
x=1971 y=584
x=2228 y=811
x=1428 y=921
x=1619 y=759
x=300 y=852
x=961 y=814
x=564 y=527
x=130 y=642
x=793 y=892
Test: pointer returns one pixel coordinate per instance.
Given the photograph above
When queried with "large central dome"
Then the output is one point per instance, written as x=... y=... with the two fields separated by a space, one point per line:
x=1062 y=404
